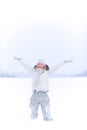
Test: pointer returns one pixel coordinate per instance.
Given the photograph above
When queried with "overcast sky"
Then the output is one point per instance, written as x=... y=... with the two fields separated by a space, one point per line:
x=51 y=30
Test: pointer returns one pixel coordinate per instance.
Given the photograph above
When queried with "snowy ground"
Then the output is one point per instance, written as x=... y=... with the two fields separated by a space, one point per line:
x=68 y=100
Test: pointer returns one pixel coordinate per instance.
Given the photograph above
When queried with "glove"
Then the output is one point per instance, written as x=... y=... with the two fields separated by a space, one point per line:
x=15 y=58
x=68 y=61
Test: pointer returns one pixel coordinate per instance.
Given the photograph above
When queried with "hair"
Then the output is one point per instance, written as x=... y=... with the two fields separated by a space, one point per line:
x=46 y=67
x=35 y=66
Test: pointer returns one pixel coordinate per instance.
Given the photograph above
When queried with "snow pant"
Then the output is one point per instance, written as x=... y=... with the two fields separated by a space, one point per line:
x=42 y=99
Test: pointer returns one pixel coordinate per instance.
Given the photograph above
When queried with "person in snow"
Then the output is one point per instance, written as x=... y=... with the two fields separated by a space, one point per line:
x=40 y=88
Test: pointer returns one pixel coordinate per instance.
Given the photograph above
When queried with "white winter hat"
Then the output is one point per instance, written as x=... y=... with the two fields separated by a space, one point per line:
x=40 y=61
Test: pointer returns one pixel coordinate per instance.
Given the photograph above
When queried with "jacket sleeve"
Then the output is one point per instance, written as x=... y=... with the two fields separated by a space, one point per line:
x=55 y=68
x=26 y=66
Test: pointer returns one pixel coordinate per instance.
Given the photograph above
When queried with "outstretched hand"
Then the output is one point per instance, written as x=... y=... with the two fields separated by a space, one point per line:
x=68 y=61
x=15 y=58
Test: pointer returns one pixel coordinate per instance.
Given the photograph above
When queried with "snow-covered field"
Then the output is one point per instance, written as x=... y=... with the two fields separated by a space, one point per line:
x=68 y=100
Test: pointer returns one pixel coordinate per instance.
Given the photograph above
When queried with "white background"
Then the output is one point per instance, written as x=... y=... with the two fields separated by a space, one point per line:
x=51 y=30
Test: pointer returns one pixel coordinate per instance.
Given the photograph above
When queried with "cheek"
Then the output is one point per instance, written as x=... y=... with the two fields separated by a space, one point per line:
x=38 y=65
x=42 y=66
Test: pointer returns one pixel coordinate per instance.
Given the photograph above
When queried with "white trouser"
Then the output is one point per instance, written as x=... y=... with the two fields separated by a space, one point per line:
x=42 y=99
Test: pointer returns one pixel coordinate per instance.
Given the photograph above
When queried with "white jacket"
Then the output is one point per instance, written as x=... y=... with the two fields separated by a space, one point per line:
x=40 y=77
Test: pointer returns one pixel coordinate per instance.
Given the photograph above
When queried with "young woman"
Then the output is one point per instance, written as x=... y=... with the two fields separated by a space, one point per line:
x=40 y=88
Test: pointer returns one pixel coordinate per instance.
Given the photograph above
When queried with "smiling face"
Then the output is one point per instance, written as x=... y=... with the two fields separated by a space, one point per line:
x=40 y=65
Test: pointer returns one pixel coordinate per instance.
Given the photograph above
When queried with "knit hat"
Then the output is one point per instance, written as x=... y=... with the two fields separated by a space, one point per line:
x=41 y=61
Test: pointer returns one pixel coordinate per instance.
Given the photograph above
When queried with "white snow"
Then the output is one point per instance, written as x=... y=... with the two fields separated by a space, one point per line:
x=68 y=100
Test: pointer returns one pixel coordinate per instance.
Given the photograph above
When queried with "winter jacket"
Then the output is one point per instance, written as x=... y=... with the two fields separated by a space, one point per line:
x=40 y=77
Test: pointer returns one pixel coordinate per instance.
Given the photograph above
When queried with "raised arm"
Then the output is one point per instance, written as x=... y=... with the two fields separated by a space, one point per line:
x=27 y=67
x=53 y=69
